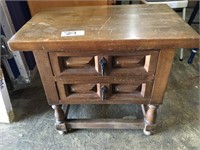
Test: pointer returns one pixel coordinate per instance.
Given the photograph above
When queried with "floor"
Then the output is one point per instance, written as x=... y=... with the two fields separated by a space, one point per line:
x=178 y=119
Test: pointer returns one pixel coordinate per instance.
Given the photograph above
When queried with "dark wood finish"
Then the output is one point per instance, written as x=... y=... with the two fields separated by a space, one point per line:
x=109 y=27
x=106 y=79
x=136 y=63
x=44 y=67
x=136 y=42
x=60 y=118
x=63 y=64
x=165 y=60
x=91 y=94
x=65 y=109
x=146 y=89
x=150 y=114
x=59 y=114
x=103 y=124
x=73 y=90
x=125 y=88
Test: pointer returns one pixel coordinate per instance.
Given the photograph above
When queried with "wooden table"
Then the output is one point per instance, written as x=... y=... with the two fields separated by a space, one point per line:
x=105 y=55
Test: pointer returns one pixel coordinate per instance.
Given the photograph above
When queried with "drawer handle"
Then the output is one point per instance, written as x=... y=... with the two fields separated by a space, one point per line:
x=104 y=91
x=102 y=63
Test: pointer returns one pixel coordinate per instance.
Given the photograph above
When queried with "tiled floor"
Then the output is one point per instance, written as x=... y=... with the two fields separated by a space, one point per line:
x=178 y=119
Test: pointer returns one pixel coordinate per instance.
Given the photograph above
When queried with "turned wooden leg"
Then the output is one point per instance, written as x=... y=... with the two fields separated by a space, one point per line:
x=150 y=119
x=59 y=117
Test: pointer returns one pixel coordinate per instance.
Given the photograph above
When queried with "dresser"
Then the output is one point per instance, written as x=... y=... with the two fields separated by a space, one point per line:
x=105 y=55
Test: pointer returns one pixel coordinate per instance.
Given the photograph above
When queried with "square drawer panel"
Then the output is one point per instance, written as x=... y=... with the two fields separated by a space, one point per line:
x=108 y=93
x=138 y=63
x=76 y=92
x=132 y=63
x=63 y=64
x=130 y=92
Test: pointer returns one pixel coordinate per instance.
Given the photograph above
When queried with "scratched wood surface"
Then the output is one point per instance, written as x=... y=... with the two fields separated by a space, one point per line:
x=111 y=27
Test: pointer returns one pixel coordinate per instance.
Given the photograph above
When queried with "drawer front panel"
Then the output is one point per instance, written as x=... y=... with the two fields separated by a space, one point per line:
x=113 y=64
x=128 y=62
x=77 y=91
x=72 y=65
x=81 y=92
x=143 y=63
x=127 y=90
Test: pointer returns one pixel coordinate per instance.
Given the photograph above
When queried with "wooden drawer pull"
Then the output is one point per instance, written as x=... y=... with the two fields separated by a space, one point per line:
x=104 y=91
x=102 y=63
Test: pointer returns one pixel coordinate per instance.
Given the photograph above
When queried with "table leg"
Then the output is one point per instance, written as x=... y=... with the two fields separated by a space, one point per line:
x=59 y=117
x=150 y=119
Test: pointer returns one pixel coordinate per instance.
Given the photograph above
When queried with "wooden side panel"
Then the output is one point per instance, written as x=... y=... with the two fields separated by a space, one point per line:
x=38 y=5
x=46 y=75
x=165 y=61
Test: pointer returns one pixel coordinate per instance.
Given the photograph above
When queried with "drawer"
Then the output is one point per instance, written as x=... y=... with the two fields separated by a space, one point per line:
x=115 y=91
x=63 y=64
x=132 y=63
x=137 y=63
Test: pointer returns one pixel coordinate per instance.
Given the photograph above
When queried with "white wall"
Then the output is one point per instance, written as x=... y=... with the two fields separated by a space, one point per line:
x=6 y=111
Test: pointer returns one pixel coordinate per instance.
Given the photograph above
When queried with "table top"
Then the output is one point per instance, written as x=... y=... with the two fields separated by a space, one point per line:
x=105 y=27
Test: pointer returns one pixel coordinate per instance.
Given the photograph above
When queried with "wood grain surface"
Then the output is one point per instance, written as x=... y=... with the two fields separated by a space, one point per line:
x=109 y=27
x=164 y=65
x=137 y=43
